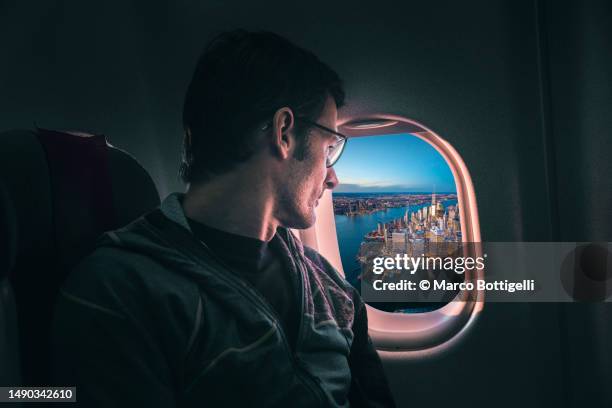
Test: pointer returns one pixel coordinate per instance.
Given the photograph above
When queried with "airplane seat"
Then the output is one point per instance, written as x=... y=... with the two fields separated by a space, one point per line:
x=66 y=189
x=9 y=348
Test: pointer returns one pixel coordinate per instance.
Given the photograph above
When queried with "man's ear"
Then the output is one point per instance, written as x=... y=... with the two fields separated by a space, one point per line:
x=283 y=132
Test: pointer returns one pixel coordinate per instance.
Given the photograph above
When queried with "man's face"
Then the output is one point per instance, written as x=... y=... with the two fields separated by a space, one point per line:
x=307 y=179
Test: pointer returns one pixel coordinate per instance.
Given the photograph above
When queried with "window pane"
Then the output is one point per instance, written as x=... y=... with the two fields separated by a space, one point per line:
x=396 y=195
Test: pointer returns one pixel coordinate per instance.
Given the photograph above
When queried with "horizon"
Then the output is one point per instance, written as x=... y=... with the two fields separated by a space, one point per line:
x=392 y=192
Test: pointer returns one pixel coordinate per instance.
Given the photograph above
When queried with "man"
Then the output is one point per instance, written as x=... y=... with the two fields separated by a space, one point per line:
x=211 y=300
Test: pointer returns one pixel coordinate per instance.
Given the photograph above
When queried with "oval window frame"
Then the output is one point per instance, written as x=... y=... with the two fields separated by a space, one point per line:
x=413 y=335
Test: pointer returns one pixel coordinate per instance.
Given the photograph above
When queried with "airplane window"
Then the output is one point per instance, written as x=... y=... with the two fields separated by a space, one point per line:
x=403 y=190
x=397 y=195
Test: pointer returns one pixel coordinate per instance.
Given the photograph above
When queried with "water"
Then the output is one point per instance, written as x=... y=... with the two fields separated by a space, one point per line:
x=351 y=230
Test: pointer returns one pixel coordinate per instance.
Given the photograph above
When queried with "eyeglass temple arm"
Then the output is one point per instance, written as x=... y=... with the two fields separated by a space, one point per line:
x=267 y=125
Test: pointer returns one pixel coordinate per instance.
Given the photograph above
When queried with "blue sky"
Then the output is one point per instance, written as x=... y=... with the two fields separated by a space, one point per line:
x=392 y=163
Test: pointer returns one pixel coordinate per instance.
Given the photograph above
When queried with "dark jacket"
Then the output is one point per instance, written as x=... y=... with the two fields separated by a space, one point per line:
x=153 y=319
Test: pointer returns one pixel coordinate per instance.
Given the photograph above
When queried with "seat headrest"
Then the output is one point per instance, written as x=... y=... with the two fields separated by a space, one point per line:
x=68 y=188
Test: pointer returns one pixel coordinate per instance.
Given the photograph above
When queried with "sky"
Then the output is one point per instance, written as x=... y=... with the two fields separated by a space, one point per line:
x=392 y=163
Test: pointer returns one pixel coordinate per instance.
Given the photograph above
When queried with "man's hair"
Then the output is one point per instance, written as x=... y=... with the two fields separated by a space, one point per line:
x=241 y=79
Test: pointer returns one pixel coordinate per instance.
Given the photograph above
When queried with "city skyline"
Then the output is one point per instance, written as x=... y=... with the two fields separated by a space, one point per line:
x=370 y=225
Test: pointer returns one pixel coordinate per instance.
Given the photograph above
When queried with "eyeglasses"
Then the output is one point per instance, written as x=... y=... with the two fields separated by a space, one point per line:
x=335 y=150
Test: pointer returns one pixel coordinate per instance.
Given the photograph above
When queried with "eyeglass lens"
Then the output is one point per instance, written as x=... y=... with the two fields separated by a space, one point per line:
x=334 y=152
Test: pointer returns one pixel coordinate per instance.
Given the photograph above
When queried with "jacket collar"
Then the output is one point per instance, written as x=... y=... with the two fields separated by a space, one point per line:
x=172 y=208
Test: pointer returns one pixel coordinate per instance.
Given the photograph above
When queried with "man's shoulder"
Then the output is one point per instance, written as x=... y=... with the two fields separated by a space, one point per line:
x=113 y=275
x=112 y=264
x=129 y=293
x=131 y=255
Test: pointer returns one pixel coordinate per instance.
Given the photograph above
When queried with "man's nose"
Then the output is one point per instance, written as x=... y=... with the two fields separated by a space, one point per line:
x=331 y=181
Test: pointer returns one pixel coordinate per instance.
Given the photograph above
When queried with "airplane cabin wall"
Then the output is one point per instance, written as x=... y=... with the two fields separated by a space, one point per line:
x=517 y=87
x=579 y=45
